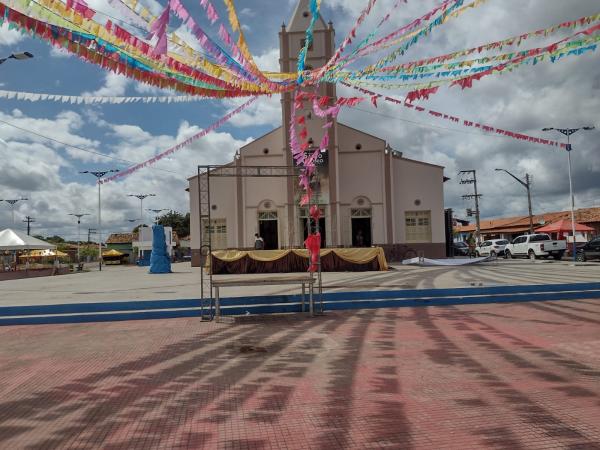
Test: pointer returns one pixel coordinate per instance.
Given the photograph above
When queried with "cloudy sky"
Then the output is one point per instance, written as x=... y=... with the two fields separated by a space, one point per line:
x=564 y=94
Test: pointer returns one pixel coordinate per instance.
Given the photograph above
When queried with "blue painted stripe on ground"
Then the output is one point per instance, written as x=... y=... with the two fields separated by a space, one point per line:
x=289 y=308
x=138 y=310
x=74 y=308
x=399 y=303
x=141 y=315
x=418 y=293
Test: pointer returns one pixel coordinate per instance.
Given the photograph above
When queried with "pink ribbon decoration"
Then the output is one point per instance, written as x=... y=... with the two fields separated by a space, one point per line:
x=211 y=13
x=159 y=28
x=180 y=145
x=468 y=123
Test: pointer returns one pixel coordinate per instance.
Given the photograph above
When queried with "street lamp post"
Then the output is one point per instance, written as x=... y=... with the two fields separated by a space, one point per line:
x=527 y=184
x=157 y=212
x=141 y=197
x=12 y=207
x=568 y=132
x=79 y=216
x=99 y=174
x=17 y=56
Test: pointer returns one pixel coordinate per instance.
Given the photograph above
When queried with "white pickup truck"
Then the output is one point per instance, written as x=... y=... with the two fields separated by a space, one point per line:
x=536 y=246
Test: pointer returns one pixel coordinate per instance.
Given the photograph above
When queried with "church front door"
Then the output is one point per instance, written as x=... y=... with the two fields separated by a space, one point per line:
x=268 y=230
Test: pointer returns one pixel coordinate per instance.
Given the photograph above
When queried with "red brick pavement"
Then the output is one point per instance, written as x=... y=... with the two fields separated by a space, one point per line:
x=517 y=376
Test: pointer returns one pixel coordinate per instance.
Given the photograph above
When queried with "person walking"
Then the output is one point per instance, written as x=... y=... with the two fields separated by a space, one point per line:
x=472 y=244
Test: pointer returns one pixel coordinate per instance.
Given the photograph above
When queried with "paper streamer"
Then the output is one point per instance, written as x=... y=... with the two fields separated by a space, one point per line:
x=458 y=120
x=179 y=146
x=497 y=45
x=315 y=5
x=95 y=100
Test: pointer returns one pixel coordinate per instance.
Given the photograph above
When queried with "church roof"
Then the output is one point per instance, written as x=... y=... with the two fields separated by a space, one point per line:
x=301 y=19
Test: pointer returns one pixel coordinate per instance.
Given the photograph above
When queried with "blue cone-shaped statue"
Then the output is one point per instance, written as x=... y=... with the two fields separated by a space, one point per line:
x=160 y=262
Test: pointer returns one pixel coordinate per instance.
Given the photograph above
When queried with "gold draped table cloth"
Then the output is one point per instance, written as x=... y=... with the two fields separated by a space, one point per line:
x=296 y=260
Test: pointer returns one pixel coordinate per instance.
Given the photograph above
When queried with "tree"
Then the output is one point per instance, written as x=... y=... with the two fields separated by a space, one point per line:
x=89 y=250
x=179 y=222
x=55 y=239
x=137 y=229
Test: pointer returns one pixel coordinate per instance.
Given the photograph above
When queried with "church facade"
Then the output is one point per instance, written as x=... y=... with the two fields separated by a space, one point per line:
x=368 y=193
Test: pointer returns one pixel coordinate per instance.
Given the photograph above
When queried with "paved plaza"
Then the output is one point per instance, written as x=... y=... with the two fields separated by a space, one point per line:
x=513 y=376
x=127 y=283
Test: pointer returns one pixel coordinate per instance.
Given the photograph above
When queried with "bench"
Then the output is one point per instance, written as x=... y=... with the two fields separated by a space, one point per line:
x=304 y=280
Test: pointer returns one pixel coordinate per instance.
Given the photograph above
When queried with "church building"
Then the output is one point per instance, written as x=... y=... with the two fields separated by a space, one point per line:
x=369 y=193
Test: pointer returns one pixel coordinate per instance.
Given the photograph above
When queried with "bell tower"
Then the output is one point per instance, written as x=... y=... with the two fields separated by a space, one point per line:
x=292 y=39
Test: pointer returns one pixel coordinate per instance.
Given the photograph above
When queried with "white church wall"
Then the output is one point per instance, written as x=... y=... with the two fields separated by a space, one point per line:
x=223 y=194
x=271 y=141
x=418 y=187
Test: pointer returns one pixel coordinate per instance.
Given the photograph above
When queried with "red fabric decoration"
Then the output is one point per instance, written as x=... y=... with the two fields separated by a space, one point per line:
x=313 y=245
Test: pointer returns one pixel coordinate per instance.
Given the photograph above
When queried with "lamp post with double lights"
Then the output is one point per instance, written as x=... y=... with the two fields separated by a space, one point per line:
x=156 y=212
x=18 y=56
x=99 y=174
x=79 y=216
x=141 y=197
x=568 y=132
x=12 y=203
x=527 y=185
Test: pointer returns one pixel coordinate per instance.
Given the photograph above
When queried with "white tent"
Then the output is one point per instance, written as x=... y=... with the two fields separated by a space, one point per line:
x=16 y=240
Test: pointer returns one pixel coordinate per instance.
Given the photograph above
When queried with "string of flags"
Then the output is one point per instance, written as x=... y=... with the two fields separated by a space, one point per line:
x=219 y=63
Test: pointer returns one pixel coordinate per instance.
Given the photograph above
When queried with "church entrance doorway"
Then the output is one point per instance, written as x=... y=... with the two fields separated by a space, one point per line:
x=361 y=227
x=268 y=229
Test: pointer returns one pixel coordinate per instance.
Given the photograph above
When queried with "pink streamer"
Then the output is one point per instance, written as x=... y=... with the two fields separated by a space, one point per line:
x=181 y=145
x=487 y=128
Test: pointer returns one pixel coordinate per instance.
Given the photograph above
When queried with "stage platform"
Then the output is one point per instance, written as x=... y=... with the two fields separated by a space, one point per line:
x=296 y=260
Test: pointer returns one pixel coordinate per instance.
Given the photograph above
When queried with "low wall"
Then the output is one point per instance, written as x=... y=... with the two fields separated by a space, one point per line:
x=32 y=273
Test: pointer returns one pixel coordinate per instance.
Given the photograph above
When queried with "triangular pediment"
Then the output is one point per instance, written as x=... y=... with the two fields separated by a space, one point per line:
x=301 y=19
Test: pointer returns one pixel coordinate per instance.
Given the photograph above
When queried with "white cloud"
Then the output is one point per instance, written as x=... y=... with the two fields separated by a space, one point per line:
x=114 y=85
x=264 y=111
x=247 y=12
x=59 y=52
x=34 y=167
x=268 y=61
x=10 y=37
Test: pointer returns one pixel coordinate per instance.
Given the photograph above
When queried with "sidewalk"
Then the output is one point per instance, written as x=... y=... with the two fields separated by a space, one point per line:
x=492 y=376
x=128 y=283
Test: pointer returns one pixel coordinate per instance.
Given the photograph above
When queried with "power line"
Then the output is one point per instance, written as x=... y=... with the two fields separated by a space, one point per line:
x=123 y=161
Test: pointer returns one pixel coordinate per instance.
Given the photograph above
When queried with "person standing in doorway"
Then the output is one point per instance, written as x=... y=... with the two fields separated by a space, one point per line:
x=259 y=243
x=360 y=239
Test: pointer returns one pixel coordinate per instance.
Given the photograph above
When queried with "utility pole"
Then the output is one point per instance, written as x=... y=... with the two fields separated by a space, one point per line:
x=470 y=177
x=568 y=132
x=29 y=220
x=79 y=216
x=12 y=203
x=527 y=185
x=99 y=174
x=141 y=198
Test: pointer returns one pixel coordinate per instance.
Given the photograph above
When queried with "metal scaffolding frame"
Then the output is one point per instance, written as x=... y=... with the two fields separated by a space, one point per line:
x=205 y=173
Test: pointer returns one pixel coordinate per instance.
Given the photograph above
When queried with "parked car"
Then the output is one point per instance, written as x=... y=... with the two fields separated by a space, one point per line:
x=536 y=246
x=591 y=250
x=492 y=247
x=460 y=249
